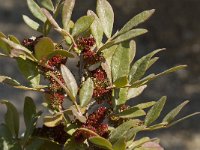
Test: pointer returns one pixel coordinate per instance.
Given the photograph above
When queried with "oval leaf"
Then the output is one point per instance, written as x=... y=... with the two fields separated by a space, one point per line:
x=134 y=92
x=120 y=144
x=44 y=47
x=101 y=142
x=96 y=28
x=68 y=7
x=47 y=4
x=34 y=25
x=36 y=10
x=69 y=80
x=120 y=62
x=86 y=92
x=11 y=118
x=155 y=111
x=63 y=53
x=172 y=114
x=82 y=25
x=138 y=19
x=29 y=110
x=121 y=130
x=106 y=15
x=30 y=70
x=131 y=113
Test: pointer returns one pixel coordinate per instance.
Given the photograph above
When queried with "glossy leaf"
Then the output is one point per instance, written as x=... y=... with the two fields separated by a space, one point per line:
x=131 y=113
x=36 y=10
x=31 y=23
x=134 y=92
x=52 y=121
x=119 y=59
x=96 y=28
x=101 y=142
x=138 y=19
x=106 y=15
x=86 y=92
x=82 y=25
x=30 y=70
x=120 y=144
x=172 y=114
x=44 y=47
x=47 y=4
x=121 y=130
x=69 y=80
x=155 y=111
x=68 y=7
x=11 y=118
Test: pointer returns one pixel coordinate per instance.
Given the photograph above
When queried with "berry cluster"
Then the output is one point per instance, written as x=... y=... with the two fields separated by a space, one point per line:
x=94 y=123
x=56 y=133
x=47 y=67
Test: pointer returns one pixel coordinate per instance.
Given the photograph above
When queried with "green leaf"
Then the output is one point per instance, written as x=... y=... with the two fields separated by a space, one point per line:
x=82 y=25
x=6 y=139
x=129 y=35
x=186 y=117
x=11 y=82
x=172 y=114
x=96 y=28
x=3 y=55
x=52 y=121
x=134 y=92
x=30 y=70
x=5 y=133
x=140 y=66
x=120 y=62
x=70 y=80
x=131 y=113
x=36 y=10
x=19 y=47
x=29 y=110
x=63 y=53
x=47 y=4
x=108 y=54
x=139 y=142
x=31 y=23
x=152 y=61
x=11 y=118
x=14 y=39
x=101 y=142
x=153 y=76
x=51 y=19
x=106 y=15
x=132 y=50
x=131 y=133
x=120 y=144
x=120 y=96
x=3 y=45
x=145 y=105
x=138 y=19
x=155 y=111
x=44 y=47
x=121 y=130
x=86 y=92
x=68 y=7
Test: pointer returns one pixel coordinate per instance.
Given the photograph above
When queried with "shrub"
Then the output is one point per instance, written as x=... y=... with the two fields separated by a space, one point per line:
x=97 y=114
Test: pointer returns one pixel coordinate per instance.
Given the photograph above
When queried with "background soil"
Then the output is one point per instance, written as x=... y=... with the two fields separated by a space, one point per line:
x=175 y=26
